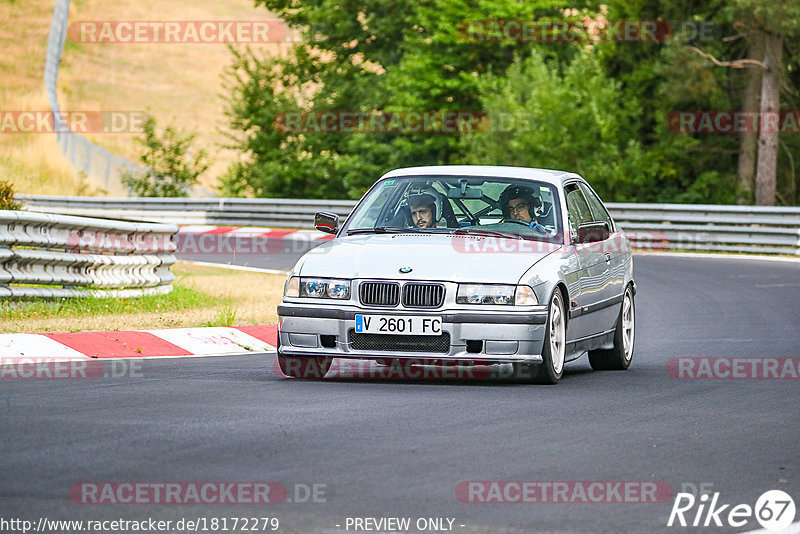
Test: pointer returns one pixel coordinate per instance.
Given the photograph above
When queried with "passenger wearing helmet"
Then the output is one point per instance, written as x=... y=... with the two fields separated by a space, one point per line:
x=519 y=204
x=425 y=206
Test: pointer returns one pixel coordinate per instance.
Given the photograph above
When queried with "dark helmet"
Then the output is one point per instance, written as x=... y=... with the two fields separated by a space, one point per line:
x=519 y=191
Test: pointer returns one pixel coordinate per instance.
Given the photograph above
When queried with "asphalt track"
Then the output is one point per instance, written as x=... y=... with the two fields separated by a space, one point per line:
x=400 y=448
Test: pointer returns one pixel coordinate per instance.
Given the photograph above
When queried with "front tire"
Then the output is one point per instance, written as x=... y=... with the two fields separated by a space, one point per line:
x=618 y=358
x=554 y=347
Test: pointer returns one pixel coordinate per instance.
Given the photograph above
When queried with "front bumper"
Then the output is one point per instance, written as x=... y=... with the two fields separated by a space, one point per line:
x=501 y=336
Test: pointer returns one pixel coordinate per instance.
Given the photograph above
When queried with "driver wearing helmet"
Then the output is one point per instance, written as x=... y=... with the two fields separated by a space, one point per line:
x=520 y=204
x=425 y=206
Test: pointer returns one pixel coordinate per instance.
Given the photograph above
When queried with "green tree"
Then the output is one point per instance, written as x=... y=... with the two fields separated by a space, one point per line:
x=770 y=26
x=543 y=115
x=704 y=167
x=360 y=56
x=601 y=108
x=170 y=168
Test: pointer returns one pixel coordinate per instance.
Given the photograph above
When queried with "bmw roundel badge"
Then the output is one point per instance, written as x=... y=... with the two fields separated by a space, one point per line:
x=405 y=270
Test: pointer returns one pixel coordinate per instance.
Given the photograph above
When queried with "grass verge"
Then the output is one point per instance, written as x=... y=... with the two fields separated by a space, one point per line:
x=181 y=298
x=32 y=162
x=203 y=296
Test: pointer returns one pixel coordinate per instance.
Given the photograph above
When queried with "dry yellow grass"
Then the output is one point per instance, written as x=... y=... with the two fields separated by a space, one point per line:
x=179 y=84
x=32 y=162
x=254 y=297
x=24 y=28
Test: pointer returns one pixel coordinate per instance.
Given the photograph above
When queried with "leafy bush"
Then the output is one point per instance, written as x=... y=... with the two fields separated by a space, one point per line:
x=170 y=168
x=7 y=201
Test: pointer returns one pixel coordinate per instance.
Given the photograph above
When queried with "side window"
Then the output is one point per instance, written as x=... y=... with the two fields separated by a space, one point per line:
x=369 y=212
x=599 y=211
x=578 y=210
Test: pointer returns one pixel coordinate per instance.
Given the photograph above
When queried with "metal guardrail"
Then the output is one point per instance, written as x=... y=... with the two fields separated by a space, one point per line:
x=80 y=256
x=288 y=213
x=753 y=229
x=703 y=227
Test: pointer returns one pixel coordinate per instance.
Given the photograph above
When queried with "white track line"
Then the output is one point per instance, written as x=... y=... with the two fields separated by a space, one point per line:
x=234 y=267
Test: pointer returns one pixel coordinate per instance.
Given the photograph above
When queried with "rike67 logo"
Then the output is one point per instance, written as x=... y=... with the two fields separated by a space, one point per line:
x=774 y=510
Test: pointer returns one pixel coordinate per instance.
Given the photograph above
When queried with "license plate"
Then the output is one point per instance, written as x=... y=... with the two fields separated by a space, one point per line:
x=399 y=325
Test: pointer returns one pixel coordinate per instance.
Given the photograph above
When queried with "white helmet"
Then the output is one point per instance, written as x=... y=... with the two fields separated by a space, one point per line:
x=425 y=195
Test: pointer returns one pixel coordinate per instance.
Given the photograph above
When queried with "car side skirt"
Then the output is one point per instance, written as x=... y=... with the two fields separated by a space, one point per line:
x=577 y=312
x=576 y=347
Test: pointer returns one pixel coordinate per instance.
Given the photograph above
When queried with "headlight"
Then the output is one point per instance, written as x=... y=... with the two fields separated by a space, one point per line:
x=338 y=289
x=329 y=288
x=495 y=294
x=485 y=294
x=312 y=287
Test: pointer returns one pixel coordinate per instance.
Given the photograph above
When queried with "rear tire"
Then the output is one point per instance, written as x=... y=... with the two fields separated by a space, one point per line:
x=618 y=358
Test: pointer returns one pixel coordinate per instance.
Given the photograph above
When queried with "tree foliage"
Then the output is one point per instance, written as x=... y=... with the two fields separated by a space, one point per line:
x=543 y=116
x=170 y=168
x=371 y=55
x=598 y=108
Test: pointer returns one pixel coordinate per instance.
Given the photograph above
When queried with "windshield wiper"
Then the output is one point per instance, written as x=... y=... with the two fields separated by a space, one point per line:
x=395 y=230
x=381 y=230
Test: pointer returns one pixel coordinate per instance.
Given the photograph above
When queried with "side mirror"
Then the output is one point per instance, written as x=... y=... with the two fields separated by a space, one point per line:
x=326 y=222
x=593 y=232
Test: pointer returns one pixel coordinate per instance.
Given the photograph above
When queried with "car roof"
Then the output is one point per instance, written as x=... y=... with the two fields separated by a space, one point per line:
x=552 y=176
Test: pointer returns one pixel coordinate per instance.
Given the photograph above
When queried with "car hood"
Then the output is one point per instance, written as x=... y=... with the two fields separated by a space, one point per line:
x=430 y=256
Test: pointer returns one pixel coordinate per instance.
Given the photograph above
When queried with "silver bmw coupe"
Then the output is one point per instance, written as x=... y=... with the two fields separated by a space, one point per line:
x=464 y=265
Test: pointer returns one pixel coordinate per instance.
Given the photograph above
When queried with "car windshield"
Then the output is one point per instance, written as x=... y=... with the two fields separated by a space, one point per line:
x=504 y=207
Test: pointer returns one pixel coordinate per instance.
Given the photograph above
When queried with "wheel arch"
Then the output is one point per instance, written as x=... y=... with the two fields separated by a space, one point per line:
x=561 y=286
